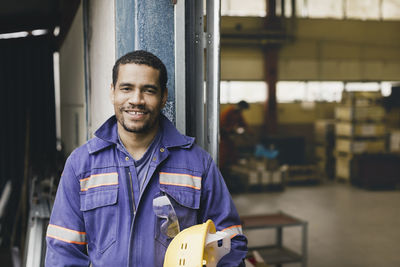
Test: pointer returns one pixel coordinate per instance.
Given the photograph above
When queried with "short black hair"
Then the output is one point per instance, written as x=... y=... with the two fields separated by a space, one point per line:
x=243 y=104
x=142 y=57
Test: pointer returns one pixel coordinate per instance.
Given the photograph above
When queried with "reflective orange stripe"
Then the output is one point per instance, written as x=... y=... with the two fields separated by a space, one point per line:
x=97 y=180
x=67 y=241
x=233 y=230
x=180 y=179
x=66 y=235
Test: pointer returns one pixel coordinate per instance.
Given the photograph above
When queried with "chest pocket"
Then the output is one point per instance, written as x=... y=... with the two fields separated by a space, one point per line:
x=184 y=193
x=100 y=212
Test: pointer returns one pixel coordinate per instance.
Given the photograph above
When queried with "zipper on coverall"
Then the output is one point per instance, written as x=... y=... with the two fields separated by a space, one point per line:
x=131 y=196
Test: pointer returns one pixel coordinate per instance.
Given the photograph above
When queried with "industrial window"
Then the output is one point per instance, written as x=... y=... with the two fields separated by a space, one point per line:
x=308 y=91
x=325 y=91
x=243 y=8
x=296 y=91
x=250 y=91
x=338 y=9
x=320 y=9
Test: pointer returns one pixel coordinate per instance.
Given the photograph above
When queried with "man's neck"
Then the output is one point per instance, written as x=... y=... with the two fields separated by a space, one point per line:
x=136 y=143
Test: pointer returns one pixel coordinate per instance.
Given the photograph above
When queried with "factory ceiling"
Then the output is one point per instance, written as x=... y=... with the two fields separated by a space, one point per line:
x=29 y=15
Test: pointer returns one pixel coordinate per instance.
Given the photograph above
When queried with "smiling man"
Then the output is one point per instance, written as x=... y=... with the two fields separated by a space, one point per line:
x=107 y=210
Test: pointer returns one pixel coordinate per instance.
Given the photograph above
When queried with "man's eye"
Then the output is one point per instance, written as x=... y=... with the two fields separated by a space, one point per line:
x=125 y=89
x=150 y=91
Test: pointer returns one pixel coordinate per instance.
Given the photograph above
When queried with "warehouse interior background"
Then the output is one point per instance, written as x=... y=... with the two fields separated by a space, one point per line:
x=321 y=149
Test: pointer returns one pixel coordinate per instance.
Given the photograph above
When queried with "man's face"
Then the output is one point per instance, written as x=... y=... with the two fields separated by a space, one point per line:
x=137 y=98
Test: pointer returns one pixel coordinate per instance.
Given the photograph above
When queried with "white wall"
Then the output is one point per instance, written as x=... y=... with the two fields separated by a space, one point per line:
x=101 y=60
x=72 y=86
x=76 y=124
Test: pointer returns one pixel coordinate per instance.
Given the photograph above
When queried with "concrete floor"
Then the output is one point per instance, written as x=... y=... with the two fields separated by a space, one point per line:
x=347 y=226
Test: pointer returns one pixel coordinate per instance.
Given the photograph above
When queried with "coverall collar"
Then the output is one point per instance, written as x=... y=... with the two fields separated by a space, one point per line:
x=107 y=135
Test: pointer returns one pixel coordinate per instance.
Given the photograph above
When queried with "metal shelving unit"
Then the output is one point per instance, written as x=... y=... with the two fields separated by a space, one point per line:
x=277 y=254
x=359 y=129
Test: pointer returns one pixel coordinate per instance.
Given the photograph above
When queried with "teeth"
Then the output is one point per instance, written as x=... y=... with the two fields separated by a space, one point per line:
x=135 y=112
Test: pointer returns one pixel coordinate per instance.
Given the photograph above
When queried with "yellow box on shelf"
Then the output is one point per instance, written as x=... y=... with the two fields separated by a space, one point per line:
x=374 y=113
x=360 y=129
x=360 y=146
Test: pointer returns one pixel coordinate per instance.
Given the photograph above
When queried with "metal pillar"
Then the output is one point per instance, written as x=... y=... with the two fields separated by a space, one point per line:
x=88 y=92
x=203 y=103
x=271 y=78
x=271 y=52
x=124 y=27
x=149 y=25
x=180 y=67
x=174 y=31
x=213 y=77
x=195 y=71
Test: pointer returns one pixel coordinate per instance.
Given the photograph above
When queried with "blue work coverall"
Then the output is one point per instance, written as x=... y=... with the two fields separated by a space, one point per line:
x=102 y=216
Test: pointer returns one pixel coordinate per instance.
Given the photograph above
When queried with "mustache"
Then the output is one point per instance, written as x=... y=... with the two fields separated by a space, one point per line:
x=135 y=107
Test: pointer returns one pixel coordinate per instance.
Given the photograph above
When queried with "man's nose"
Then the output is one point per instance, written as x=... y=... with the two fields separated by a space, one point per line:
x=136 y=98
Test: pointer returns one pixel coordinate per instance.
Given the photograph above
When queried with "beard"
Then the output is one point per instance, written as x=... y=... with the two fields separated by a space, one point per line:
x=142 y=126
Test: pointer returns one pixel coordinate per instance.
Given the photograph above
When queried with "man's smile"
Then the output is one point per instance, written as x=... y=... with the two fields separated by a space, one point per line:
x=136 y=114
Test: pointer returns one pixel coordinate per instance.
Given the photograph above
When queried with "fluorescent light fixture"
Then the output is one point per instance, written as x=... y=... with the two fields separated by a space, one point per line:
x=39 y=32
x=13 y=35
x=56 y=31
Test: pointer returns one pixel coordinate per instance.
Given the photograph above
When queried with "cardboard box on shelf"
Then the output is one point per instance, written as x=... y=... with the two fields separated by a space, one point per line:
x=373 y=113
x=357 y=146
x=394 y=141
x=360 y=129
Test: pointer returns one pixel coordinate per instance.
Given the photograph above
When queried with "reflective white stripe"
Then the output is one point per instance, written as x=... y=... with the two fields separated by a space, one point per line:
x=96 y=180
x=179 y=179
x=66 y=235
x=233 y=230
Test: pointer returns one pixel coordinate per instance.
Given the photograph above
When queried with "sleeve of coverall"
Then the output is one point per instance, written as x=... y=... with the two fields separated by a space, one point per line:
x=66 y=237
x=217 y=205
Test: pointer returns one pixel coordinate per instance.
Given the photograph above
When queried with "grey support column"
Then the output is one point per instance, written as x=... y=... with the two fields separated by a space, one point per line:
x=180 y=67
x=174 y=31
x=195 y=71
x=213 y=77
x=148 y=25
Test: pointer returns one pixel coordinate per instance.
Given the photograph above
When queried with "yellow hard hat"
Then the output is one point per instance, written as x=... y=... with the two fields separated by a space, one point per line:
x=197 y=246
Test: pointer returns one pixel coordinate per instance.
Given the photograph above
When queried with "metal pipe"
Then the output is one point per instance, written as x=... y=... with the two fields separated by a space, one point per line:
x=86 y=52
x=213 y=76
x=198 y=74
x=180 y=67
x=294 y=9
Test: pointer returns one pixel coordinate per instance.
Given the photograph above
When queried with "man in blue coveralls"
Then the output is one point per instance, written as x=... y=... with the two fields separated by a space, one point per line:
x=103 y=212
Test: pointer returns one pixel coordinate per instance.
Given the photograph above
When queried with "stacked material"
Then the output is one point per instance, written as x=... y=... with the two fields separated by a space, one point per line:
x=261 y=174
x=359 y=129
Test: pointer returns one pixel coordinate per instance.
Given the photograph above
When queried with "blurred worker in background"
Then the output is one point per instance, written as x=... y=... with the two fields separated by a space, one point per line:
x=129 y=190
x=232 y=123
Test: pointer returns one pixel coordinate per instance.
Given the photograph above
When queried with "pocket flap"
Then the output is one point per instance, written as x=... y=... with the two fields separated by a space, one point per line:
x=184 y=197
x=96 y=199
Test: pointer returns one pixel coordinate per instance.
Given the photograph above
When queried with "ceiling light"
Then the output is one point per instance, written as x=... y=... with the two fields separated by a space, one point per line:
x=13 y=35
x=39 y=32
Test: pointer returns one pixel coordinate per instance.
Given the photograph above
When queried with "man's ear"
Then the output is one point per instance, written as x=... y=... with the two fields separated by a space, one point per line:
x=112 y=90
x=164 y=97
